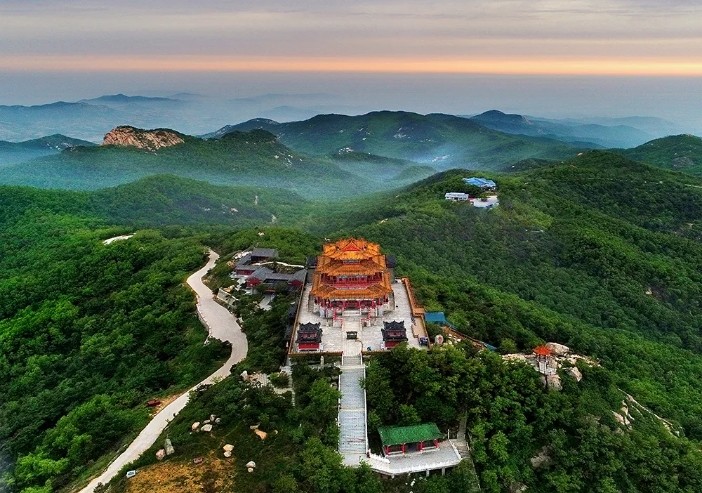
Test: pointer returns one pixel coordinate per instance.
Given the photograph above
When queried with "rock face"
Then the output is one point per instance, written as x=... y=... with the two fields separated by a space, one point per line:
x=126 y=136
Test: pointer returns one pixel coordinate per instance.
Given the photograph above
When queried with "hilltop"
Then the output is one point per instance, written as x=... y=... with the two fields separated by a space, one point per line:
x=152 y=140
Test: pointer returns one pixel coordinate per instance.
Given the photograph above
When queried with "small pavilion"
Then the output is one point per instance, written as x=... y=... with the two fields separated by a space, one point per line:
x=394 y=333
x=544 y=360
x=309 y=337
x=401 y=440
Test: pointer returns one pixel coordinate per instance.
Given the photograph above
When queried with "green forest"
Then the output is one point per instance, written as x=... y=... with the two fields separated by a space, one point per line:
x=599 y=253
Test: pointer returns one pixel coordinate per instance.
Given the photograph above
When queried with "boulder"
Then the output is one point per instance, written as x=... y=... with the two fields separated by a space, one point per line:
x=227 y=454
x=558 y=349
x=575 y=373
x=207 y=428
x=206 y=422
x=250 y=469
x=168 y=446
x=212 y=418
x=251 y=464
x=161 y=454
x=228 y=447
x=553 y=382
x=261 y=434
x=541 y=459
x=195 y=426
x=218 y=421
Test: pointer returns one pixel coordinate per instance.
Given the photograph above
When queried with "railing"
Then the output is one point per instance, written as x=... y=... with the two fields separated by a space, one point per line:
x=417 y=309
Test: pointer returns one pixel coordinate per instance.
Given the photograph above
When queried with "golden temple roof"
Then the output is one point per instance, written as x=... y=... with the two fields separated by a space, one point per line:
x=374 y=291
x=350 y=257
x=351 y=249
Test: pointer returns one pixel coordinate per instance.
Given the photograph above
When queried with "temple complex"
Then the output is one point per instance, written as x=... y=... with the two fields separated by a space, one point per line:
x=350 y=309
x=351 y=274
x=353 y=305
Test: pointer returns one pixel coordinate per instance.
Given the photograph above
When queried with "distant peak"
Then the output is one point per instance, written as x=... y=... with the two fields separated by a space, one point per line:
x=497 y=116
x=128 y=136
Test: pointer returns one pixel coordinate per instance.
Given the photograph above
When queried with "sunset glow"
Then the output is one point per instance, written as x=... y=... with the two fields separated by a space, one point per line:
x=446 y=55
x=595 y=67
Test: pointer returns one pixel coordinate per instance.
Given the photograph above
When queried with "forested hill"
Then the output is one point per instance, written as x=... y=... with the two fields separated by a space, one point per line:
x=256 y=158
x=17 y=152
x=600 y=252
x=439 y=140
x=677 y=152
x=160 y=200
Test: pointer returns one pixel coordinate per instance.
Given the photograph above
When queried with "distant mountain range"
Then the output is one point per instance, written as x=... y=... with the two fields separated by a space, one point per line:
x=195 y=114
x=437 y=140
x=318 y=157
x=576 y=132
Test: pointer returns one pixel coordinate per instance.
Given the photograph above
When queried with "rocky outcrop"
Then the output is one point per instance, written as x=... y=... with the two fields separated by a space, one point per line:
x=152 y=140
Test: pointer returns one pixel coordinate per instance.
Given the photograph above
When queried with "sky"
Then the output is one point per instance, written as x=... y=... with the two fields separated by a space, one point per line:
x=548 y=57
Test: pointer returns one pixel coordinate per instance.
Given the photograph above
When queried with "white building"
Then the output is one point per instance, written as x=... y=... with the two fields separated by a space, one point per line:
x=457 y=196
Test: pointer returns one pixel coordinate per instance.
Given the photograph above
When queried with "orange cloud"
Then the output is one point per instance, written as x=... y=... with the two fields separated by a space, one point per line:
x=497 y=66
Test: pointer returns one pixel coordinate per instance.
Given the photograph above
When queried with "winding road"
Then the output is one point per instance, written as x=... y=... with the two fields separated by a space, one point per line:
x=221 y=325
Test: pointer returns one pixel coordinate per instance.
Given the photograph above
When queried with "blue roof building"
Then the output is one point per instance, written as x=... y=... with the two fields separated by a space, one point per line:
x=435 y=317
x=480 y=182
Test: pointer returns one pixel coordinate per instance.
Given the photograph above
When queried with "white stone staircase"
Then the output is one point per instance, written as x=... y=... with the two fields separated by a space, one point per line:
x=353 y=442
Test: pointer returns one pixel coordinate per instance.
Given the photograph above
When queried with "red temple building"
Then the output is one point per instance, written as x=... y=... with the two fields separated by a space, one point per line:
x=309 y=337
x=352 y=274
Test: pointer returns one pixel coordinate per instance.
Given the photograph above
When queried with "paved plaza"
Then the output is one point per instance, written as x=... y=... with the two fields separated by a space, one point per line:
x=370 y=336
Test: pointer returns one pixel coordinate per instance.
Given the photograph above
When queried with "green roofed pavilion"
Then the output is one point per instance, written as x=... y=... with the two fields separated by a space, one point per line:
x=400 y=435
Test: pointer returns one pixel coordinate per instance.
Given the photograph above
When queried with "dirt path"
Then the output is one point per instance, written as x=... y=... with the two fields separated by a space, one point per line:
x=221 y=325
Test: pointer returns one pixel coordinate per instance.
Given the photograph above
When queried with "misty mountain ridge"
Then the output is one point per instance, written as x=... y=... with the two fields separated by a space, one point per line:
x=196 y=114
x=17 y=152
x=256 y=159
x=579 y=133
x=438 y=140
x=316 y=158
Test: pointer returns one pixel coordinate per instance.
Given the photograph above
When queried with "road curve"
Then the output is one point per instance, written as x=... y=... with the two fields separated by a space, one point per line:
x=221 y=325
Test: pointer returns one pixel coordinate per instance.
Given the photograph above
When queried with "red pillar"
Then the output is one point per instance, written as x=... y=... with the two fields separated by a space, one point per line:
x=403 y=448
